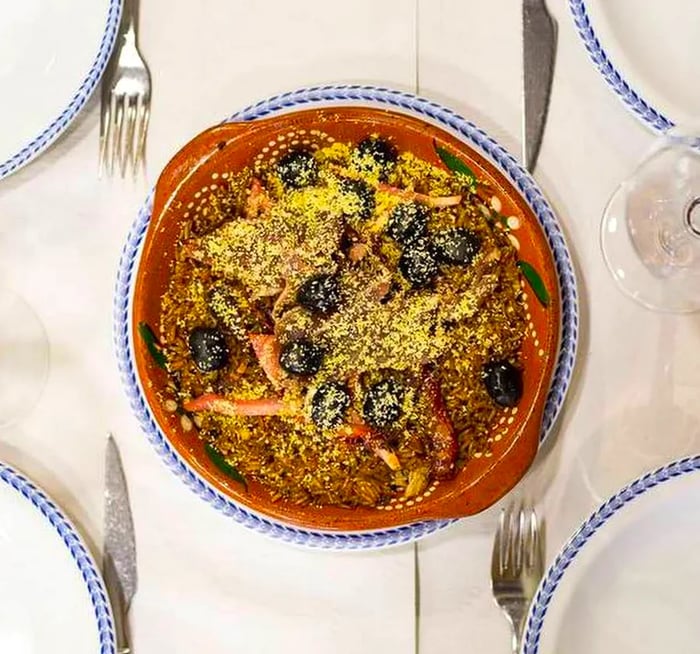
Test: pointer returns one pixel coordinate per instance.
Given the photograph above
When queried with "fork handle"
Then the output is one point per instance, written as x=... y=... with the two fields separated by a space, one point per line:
x=130 y=18
x=517 y=624
x=516 y=639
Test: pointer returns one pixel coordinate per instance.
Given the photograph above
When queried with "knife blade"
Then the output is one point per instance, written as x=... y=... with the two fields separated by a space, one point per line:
x=119 y=554
x=539 y=53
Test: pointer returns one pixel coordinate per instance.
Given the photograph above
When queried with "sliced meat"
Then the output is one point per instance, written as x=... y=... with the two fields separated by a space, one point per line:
x=258 y=201
x=267 y=406
x=374 y=441
x=444 y=445
x=298 y=238
x=267 y=352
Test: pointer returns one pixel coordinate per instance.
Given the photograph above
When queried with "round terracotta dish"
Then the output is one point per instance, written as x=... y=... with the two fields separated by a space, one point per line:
x=516 y=433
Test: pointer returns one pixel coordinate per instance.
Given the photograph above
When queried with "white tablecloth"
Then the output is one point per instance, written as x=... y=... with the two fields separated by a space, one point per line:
x=206 y=584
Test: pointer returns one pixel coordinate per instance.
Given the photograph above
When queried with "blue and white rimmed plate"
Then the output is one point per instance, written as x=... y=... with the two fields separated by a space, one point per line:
x=647 y=53
x=52 y=55
x=475 y=138
x=52 y=598
x=627 y=581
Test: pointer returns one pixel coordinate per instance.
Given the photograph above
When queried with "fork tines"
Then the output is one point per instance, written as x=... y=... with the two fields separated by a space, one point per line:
x=518 y=545
x=126 y=102
x=123 y=128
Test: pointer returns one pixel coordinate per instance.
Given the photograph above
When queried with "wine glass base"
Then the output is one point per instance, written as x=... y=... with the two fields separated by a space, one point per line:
x=24 y=358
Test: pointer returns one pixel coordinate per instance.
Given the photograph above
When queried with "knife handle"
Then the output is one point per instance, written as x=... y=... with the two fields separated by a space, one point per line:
x=119 y=607
x=539 y=53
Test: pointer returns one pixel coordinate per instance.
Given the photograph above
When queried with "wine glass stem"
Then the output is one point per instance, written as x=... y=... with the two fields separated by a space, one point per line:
x=692 y=217
x=675 y=241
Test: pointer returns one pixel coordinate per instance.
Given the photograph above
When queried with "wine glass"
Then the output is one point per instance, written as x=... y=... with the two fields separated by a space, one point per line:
x=24 y=357
x=650 y=232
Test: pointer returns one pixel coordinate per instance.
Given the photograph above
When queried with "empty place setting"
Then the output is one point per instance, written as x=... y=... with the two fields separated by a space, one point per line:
x=43 y=559
x=350 y=327
x=53 y=55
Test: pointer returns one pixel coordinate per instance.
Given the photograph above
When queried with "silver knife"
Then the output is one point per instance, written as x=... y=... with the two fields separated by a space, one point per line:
x=119 y=556
x=539 y=51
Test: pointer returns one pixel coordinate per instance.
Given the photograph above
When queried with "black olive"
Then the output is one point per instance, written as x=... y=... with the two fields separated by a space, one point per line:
x=208 y=348
x=381 y=151
x=408 y=222
x=329 y=404
x=301 y=357
x=382 y=405
x=456 y=246
x=320 y=294
x=364 y=194
x=297 y=169
x=503 y=382
x=418 y=264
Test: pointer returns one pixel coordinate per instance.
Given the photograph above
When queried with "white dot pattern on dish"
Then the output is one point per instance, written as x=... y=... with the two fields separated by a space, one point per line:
x=284 y=142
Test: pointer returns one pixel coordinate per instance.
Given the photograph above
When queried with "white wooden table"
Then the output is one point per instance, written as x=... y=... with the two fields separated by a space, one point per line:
x=206 y=584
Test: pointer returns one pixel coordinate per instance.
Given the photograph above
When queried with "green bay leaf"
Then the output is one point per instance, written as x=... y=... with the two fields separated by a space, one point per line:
x=455 y=164
x=151 y=342
x=535 y=281
x=222 y=464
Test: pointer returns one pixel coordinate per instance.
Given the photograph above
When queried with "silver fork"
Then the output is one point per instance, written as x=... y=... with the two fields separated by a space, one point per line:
x=517 y=565
x=126 y=100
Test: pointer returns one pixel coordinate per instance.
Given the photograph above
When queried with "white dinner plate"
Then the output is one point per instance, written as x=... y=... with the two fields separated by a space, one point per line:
x=52 y=55
x=627 y=582
x=648 y=53
x=52 y=599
